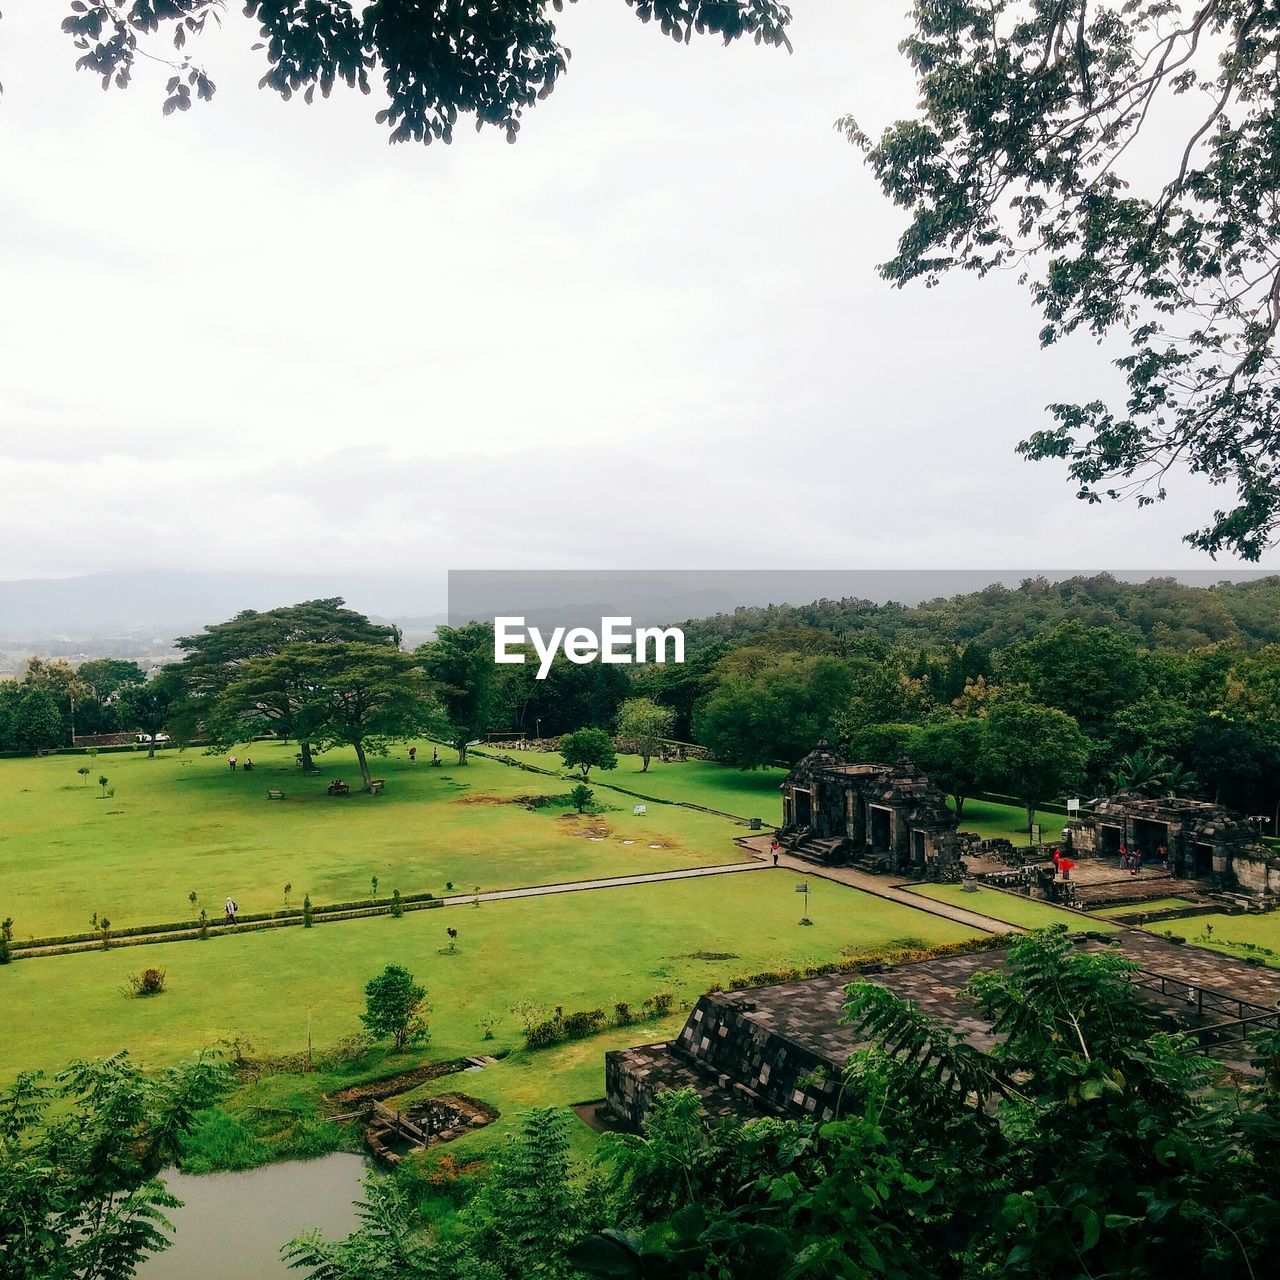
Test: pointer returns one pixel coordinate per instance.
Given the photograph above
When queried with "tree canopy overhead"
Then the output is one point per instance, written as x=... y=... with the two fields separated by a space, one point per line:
x=1040 y=123
x=437 y=59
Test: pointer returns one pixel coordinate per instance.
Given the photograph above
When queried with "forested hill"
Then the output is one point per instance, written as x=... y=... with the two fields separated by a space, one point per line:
x=1160 y=612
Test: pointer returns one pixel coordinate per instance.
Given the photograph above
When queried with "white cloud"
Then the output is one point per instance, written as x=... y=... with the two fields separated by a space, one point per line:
x=651 y=333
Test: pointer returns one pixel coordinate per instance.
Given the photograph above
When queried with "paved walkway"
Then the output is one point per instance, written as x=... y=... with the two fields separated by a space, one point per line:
x=881 y=888
x=608 y=882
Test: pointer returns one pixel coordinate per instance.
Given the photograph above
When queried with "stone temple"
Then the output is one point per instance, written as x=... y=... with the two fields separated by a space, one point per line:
x=781 y=1050
x=890 y=818
x=1200 y=841
x=877 y=816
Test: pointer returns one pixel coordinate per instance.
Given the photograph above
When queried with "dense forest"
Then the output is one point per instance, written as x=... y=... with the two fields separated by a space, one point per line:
x=1084 y=685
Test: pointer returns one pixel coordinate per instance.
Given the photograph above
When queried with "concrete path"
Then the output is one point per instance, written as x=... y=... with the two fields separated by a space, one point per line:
x=608 y=882
x=881 y=888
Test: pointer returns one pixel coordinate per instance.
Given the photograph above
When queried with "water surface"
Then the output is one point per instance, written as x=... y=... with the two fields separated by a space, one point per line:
x=231 y=1225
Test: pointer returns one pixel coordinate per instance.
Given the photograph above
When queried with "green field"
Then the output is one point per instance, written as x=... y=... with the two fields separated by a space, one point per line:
x=745 y=793
x=994 y=820
x=582 y=950
x=1011 y=908
x=185 y=822
x=1240 y=936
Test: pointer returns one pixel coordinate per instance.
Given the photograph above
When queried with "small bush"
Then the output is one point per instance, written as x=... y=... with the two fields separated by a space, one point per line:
x=583 y=1023
x=622 y=1014
x=347 y=1052
x=662 y=1002
x=542 y=1035
x=150 y=982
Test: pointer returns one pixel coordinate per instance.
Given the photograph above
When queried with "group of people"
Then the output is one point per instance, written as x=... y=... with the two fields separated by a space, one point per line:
x=1131 y=859
x=1063 y=864
x=247 y=766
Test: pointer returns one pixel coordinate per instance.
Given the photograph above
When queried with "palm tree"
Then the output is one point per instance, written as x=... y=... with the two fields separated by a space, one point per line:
x=1142 y=771
x=1150 y=774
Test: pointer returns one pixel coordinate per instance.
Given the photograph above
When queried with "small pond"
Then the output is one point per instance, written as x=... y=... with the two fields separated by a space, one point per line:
x=231 y=1225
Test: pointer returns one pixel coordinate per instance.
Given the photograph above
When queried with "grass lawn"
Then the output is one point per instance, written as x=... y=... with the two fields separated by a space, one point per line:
x=1144 y=908
x=992 y=820
x=755 y=793
x=185 y=822
x=745 y=793
x=581 y=950
x=1011 y=908
x=1239 y=936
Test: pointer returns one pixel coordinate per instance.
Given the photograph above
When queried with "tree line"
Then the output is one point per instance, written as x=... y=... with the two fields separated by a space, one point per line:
x=1069 y=703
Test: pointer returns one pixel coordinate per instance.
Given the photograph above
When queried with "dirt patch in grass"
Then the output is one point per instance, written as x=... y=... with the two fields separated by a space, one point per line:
x=587 y=828
x=393 y=1086
x=708 y=955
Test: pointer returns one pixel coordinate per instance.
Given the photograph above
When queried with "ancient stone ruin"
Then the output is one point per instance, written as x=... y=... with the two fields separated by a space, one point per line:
x=1190 y=839
x=879 y=817
x=781 y=1050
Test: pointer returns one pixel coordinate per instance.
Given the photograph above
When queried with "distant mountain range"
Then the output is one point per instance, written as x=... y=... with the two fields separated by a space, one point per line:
x=137 y=613
x=167 y=602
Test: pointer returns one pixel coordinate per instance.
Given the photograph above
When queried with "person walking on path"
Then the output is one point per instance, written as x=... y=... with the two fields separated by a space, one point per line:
x=231 y=760
x=774 y=850
x=413 y=755
x=232 y=908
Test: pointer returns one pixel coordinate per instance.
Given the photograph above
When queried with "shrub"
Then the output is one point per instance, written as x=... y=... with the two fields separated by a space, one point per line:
x=306 y=912
x=583 y=1023
x=622 y=1014
x=662 y=1002
x=542 y=1035
x=397 y=907
x=150 y=982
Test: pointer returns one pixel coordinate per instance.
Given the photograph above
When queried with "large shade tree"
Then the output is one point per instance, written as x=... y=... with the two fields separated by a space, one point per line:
x=1123 y=158
x=459 y=661
x=215 y=659
x=145 y=707
x=1035 y=752
x=343 y=694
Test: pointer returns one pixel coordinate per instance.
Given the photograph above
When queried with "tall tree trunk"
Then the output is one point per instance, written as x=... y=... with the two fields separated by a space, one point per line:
x=1031 y=817
x=307 y=764
x=363 y=762
x=959 y=799
x=461 y=747
x=645 y=767
x=151 y=748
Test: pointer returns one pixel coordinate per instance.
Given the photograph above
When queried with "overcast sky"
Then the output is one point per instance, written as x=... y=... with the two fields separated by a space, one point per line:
x=650 y=334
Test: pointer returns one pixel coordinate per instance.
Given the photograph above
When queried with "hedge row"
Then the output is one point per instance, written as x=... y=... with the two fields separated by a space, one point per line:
x=263 y=919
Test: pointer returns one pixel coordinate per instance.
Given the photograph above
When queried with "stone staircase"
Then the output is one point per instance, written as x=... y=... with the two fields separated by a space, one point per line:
x=826 y=851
